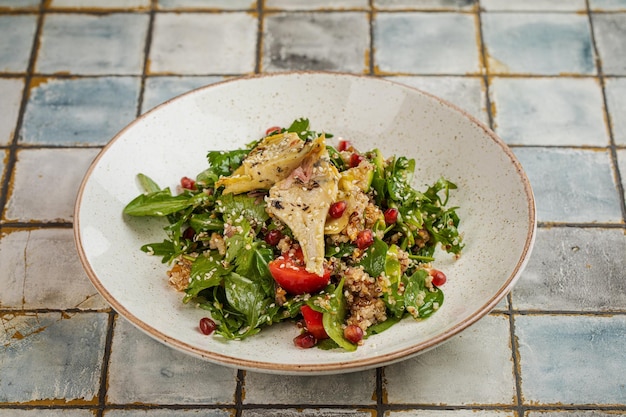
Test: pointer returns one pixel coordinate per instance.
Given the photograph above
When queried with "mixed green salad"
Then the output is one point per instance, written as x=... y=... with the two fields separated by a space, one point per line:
x=292 y=227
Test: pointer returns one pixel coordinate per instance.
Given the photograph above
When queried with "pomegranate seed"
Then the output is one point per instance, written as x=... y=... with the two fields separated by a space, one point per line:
x=189 y=233
x=272 y=130
x=364 y=239
x=391 y=215
x=187 y=183
x=336 y=209
x=439 y=278
x=344 y=145
x=305 y=340
x=353 y=333
x=355 y=160
x=207 y=326
x=273 y=237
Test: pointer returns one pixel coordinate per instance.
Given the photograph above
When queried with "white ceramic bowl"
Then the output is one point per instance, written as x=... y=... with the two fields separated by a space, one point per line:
x=497 y=208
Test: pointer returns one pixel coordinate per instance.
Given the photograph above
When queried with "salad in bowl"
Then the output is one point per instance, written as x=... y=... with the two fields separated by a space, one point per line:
x=300 y=226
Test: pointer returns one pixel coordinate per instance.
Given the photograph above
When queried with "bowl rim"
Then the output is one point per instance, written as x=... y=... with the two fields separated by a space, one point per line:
x=310 y=369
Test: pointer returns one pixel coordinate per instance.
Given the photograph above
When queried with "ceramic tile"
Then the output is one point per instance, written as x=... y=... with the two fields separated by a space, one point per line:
x=568 y=271
x=425 y=43
x=607 y=5
x=549 y=111
x=615 y=89
x=468 y=93
x=572 y=413
x=51 y=356
x=162 y=371
x=571 y=185
x=81 y=111
x=161 y=89
x=168 y=412
x=92 y=44
x=315 y=4
x=41 y=270
x=17 y=32
x=475 y=367
x=450 y=413
x=45 y=413
x=610 y=31
x=572 y=359
x=534 y=5
x=197 y=43
x=19 y=4
x=45 y=184
x=306 y=412
x=91 y=5
x=207 y=4
x=11 y=90
x=538 y=43
x=316 y=41
x=359 y=387
x=425 y=4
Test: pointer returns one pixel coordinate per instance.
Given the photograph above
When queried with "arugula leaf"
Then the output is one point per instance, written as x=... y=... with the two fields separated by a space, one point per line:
x=221 y=163
x=204 y=222
x=165 y=249
x=206 y=271
x=241 y=206
x=301 y=126
x=148 y=185
x=159 y=203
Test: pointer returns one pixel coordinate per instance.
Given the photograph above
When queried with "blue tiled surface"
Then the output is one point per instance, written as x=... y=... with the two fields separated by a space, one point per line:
x=18 y=33
x=78 y=111
x=538 y=43
x=426 y=43
x=549 y=76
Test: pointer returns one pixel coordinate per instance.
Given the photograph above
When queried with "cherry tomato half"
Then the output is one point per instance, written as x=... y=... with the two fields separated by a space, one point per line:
x=313 y=322
x=289 y=272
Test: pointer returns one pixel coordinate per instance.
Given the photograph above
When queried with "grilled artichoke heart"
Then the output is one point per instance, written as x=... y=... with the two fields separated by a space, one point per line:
x=272 y=160
x=302 y=200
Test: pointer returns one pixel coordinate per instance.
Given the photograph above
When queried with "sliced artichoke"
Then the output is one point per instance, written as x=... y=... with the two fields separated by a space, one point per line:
x=272 y=160
x=302 y=200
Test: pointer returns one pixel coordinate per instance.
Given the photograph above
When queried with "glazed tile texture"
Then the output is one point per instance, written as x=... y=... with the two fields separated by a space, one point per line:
x=548 y=76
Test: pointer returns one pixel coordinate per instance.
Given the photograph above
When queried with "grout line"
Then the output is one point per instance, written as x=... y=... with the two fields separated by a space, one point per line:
x=258 y=66
x=485 y=64
x=146 y=57
x=104 y=374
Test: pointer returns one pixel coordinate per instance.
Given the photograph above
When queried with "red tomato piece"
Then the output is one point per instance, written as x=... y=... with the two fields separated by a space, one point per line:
x=292 y=276
x=313 y=322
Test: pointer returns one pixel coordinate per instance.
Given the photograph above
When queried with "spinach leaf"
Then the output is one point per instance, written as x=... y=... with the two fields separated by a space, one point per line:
x=247 y=297
x=334 y=317
x=374 y=259
x=420 y=301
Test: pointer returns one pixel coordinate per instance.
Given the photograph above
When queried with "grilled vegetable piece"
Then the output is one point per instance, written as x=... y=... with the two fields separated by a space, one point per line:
x=272 y=160
x=301 y=201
